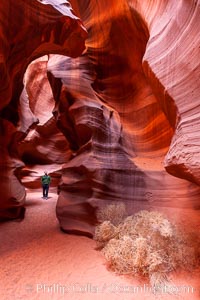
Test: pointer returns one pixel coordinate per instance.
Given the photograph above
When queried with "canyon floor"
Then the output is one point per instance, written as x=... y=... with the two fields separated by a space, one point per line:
x=39 y=261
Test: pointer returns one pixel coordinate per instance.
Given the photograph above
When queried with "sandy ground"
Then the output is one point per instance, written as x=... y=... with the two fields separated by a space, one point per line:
x=38 y=261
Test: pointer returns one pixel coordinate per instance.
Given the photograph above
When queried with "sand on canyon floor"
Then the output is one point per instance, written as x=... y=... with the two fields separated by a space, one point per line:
x=39 y=261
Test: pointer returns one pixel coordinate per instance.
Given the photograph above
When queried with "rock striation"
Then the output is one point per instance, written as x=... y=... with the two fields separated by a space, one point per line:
x=173 y=57
x=125 y=103
x=125 y=112
x=118 y=112
x=29 y=29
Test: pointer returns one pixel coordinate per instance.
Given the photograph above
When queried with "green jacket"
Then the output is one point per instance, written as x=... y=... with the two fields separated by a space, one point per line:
x=46 y=179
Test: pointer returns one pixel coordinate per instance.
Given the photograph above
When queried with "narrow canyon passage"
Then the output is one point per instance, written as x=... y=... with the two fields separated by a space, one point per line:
x=104 y=96
x=38 y=261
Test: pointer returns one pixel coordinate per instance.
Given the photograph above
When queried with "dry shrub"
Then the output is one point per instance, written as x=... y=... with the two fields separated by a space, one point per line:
x=115 y=213
x=105 y=232
x=146 y=243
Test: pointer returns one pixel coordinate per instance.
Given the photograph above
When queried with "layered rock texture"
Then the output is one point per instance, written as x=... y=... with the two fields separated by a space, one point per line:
x=125 y=112
x=29 y=29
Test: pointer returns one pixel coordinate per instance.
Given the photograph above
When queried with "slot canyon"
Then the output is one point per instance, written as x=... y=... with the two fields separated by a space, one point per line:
x=105 y=97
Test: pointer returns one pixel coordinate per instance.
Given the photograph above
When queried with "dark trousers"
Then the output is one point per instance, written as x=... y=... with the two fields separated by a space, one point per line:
x=45 y=190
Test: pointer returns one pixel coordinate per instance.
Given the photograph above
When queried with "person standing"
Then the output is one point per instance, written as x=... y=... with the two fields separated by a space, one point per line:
x=45 y=179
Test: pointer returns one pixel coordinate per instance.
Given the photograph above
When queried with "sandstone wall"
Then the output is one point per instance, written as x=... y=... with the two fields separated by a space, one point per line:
x=128 y=107
x=122 y=116
x=29 y=29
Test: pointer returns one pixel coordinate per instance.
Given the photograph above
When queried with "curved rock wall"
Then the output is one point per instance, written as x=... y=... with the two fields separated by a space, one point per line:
x=173 y=56
x=29 y=29
x=128 y=76
x=42 y=142
x=128 y=107
x=101 y=170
